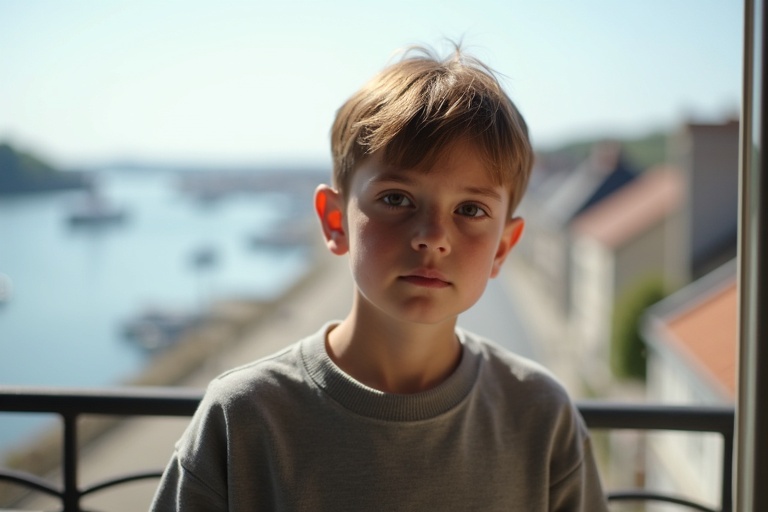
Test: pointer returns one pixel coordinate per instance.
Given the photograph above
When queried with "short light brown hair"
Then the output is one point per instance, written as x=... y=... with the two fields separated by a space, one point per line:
x=414 y=108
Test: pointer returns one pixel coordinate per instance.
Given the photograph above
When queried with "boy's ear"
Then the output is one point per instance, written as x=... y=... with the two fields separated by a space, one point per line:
x=509 y=238
x=329 y=206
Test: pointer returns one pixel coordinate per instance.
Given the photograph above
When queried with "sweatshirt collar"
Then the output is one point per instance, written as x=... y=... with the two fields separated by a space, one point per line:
x=366 y=401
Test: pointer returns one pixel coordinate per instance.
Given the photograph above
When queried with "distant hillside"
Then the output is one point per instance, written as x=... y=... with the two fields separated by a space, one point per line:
x=23 y=173
x=641 y=152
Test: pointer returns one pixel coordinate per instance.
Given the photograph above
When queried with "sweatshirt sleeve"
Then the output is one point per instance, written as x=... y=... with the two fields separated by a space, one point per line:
x=580 y=490
x=180 y=490
x=196 y=477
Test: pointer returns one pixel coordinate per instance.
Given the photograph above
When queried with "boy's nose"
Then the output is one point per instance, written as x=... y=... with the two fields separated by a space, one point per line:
x=430 y=235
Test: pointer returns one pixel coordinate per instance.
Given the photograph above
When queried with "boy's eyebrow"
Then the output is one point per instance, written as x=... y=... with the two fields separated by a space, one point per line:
x=393 y=177
x=485 y=191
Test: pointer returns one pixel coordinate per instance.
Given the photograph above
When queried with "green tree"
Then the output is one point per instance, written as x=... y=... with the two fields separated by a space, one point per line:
x=628 y=353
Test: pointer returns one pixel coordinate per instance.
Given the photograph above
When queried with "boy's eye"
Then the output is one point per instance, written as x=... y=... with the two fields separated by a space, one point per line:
x=396 y=199
x=471 y=210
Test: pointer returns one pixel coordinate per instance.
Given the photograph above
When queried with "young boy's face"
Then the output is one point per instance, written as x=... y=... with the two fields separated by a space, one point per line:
x=423 y=245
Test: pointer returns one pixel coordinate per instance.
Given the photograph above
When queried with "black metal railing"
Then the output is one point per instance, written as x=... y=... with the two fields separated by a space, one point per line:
x=70 y=404
x=720 y=420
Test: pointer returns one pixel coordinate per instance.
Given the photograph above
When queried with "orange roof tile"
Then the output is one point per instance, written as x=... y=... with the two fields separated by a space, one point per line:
x=708 y=333
x=634 y=208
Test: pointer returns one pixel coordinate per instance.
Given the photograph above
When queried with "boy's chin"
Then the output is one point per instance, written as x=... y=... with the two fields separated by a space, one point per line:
x=429 y=318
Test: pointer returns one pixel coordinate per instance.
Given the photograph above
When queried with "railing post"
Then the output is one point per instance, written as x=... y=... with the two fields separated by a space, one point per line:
x=751 y=465
x=71 y=495
x=726 y=494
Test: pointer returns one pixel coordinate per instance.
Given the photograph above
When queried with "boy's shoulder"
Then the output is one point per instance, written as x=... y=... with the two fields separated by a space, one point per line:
x=513 y=373
x=524 y=393
x=267 y=378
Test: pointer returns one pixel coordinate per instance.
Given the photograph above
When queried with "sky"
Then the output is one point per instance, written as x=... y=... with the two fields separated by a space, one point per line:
x=246 y=82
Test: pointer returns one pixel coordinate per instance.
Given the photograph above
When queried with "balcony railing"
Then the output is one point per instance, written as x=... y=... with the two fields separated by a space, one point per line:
x=70 y=404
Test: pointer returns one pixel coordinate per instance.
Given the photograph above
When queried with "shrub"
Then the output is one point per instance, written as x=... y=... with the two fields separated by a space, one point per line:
x=628 y=354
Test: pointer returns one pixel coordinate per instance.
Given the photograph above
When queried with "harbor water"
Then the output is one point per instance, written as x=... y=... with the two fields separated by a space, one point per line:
x=69 y=289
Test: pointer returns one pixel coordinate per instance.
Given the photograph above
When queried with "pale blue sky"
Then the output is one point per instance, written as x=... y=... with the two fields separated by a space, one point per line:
x=247 y=82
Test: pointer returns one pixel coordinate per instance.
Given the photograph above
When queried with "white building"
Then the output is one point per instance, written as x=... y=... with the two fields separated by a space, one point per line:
x=691 y=338
x=625 y=238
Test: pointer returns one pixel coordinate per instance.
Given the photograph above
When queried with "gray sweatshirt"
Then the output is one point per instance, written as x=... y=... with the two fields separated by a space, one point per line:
x=292 y=432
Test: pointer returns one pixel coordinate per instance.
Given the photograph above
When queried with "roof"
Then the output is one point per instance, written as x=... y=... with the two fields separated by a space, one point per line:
x=634 y=208
x=566 y=195
x=700 y=323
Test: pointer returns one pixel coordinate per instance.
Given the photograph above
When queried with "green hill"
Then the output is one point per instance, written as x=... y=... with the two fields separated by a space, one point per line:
x=641 y=152
x=22 y=172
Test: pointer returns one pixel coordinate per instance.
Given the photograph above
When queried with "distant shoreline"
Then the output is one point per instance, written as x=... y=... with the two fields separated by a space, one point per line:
x=24 y=173
x=57 y=183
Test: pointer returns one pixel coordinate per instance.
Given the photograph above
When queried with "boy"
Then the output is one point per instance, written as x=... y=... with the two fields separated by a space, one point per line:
x=394 y=408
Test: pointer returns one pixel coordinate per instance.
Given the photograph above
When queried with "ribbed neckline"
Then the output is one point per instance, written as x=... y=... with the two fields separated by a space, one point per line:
x=366 y=401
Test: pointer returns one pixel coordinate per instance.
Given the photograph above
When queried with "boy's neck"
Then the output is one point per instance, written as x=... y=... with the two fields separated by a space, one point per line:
x=394 y=357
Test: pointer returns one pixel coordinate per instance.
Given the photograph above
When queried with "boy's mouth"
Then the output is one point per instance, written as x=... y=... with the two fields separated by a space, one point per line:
x=427 y=279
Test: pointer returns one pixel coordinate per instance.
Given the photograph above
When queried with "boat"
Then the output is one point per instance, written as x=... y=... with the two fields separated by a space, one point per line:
x=158 y=329
x=290 y=235
x=95 y=210
x=204 y=257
